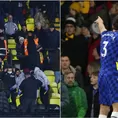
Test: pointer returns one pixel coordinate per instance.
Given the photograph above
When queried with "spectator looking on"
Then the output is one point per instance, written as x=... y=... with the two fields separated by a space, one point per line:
x=77 y=97
x=52 y=47
x=22 y=33
x=86 y=32
x=77 y=9
x=19 y=77
x=66 y=67
x=71 y=43
x=93 y=66
x=29 y=98
x=10 y=28
x=9 y=82
x=20 y=53
x=30 y=50
x=92 y=92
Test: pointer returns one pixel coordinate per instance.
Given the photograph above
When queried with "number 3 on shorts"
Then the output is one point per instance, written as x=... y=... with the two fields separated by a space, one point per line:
x=105 y=49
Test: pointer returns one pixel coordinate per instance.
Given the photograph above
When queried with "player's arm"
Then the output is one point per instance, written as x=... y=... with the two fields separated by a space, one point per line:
x=100 y=23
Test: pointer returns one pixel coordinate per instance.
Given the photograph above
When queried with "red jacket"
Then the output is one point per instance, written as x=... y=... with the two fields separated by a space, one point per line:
x=91 y=47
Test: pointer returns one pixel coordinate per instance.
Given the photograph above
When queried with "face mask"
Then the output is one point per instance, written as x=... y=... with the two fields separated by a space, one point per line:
x=9 y=72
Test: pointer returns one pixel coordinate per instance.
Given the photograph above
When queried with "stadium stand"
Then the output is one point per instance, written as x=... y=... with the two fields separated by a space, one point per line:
x=22 y=15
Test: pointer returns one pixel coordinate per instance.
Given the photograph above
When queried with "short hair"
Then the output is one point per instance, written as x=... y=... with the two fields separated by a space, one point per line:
x=67 y=73
x=115 y=23
x=95 y=66
x=95 y=73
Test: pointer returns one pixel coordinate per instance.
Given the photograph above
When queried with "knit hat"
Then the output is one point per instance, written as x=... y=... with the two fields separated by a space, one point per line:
x=75 y=6
x=21 y=38
x=71 y=20
x=98 y=50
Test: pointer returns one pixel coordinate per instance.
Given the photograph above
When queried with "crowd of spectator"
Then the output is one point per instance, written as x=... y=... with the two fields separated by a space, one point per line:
x=80 y=54
x=31 y=26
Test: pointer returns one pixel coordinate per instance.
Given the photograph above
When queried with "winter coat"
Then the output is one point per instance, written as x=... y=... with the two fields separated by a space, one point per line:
x=53 y=39
x=92 y=45
x=92 y=99
x=77 y=102
x=64 y=96
x=9 y=80
x=29 y=87
x=19 y=80
x=38 y=74
x=76 y=50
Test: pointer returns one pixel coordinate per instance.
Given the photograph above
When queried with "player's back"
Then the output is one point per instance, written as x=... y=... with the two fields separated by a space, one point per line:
x=109 y=52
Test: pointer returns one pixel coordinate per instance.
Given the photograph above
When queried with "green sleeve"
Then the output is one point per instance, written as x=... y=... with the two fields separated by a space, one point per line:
x=82 y=106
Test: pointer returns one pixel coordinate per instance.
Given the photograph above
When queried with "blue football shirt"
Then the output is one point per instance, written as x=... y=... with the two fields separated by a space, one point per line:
x=109 y=53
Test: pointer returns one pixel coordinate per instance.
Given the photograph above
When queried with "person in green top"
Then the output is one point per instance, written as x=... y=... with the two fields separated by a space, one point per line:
x=77 y=106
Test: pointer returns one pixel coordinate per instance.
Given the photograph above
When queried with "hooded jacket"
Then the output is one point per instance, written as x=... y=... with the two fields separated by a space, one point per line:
x=78 y=102
x=19 y=80
x=38 y=74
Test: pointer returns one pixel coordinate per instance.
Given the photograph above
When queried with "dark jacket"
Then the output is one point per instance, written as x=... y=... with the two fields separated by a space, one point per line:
x=32 y=51
x=42 y=36
x=64 y=95
x=29 y=87
x=79 y=78
x=53 y=39
x=21 y=34
x=76 y=50
x=9 y=80
x=20 y=49
x=92 y=99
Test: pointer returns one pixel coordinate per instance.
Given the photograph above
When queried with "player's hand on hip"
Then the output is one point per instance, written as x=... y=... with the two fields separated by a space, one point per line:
x=99 y=20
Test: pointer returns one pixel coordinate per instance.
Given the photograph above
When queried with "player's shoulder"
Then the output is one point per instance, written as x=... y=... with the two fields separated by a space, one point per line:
x=111 y=34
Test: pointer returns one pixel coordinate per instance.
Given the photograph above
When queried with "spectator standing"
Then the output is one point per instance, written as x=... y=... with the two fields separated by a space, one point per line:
x=22 y=33
x=66 y=67
x=30 y=50
x=29 y=88
x=72 y=44
x=10 y=28
x=77 y=97
x=9 y=82
x=93 y=93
